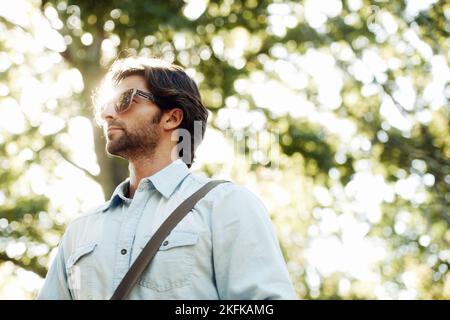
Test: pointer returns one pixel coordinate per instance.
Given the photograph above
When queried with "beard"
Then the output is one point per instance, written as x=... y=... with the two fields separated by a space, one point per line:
x=141 y=139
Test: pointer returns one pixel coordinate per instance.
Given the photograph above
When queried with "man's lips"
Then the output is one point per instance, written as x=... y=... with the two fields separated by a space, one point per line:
x=110 y=132
x=113 y=128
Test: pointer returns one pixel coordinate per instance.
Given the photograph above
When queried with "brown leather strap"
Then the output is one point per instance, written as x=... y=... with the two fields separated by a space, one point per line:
x=150 y=249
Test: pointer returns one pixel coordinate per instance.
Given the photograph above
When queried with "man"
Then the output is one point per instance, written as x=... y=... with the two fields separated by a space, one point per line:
x=225 y=248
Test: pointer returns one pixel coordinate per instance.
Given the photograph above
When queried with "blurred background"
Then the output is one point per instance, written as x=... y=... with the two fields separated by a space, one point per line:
x=354 y=94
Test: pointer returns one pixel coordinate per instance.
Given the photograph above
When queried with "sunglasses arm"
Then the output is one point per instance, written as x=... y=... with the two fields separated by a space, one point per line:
x=146 y=95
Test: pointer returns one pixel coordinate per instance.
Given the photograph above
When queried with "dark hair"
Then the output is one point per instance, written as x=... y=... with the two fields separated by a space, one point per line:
x=172 y=88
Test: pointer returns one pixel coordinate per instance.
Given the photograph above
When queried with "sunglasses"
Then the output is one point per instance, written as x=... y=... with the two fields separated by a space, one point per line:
x=123 y=102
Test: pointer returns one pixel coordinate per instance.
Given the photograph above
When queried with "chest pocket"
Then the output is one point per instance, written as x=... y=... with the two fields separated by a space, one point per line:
x=79 y=269
x=173 y=264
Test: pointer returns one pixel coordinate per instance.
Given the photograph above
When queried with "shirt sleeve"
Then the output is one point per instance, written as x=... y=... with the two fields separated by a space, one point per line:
x=55 y=285
x=248 y=262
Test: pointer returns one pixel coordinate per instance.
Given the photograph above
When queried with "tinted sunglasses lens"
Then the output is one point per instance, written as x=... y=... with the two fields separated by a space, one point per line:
x=124 y=101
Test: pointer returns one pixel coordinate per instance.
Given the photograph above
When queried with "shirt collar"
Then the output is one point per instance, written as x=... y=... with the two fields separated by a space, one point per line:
x=165 y=181
x=118 y=195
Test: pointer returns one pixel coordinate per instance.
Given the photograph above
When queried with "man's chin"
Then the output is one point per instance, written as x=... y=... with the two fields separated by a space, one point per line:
x=113 y=148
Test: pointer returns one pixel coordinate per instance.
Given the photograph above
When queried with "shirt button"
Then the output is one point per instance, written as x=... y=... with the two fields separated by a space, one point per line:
x=165 y=243
x=123 y=251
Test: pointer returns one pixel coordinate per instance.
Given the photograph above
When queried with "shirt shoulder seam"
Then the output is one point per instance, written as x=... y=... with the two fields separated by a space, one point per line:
x=93 y=211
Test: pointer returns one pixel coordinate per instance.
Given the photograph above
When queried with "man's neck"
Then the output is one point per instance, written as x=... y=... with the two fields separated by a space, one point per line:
x=145 y=166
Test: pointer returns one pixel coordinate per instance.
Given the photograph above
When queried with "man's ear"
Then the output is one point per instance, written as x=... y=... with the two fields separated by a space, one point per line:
x=172 y=118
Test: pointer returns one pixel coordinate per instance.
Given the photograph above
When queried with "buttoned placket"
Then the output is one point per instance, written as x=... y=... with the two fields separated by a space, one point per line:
x=131 y=217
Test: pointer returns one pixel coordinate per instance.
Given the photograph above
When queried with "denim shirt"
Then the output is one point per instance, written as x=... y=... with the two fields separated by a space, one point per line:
x=225 y=248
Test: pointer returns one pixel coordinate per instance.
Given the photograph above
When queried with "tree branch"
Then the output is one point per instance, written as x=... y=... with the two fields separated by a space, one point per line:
x=388 y=92
x=65 y=156
x=67 y=56
x=36 y=268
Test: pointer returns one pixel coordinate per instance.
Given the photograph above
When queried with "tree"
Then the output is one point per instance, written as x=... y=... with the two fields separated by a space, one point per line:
x=356 y=90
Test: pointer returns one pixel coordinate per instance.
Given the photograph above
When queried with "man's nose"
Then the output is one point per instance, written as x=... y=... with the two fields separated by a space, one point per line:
x=108 y=111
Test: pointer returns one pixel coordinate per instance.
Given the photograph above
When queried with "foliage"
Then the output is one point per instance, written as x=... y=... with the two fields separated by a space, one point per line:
x=373 y=106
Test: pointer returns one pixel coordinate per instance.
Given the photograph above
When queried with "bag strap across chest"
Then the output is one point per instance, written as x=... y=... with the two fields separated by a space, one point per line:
x=152 y=246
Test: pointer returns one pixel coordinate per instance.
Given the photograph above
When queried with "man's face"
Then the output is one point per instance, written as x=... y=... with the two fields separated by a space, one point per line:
x=135 y=131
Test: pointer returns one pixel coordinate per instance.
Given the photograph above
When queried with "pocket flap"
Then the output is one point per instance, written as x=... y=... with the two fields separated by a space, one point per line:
x=175 y=239
x=79 y=252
